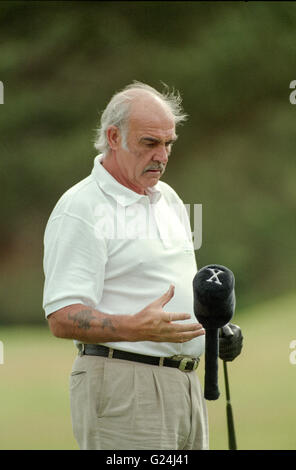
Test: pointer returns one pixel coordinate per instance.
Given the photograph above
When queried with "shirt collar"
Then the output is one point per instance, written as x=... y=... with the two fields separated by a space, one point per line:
x=123 y=195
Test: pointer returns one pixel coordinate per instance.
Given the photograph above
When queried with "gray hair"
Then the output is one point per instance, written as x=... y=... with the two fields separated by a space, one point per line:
x=116 y=112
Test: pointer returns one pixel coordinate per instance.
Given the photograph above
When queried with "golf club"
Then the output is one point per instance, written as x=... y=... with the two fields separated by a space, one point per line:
x=229 y=414
x=226 y=331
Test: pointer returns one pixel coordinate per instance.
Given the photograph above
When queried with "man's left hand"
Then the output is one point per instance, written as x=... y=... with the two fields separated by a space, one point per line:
x=230 y=342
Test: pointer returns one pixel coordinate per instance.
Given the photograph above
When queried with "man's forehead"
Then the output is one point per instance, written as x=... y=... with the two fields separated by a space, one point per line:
x=146 y=121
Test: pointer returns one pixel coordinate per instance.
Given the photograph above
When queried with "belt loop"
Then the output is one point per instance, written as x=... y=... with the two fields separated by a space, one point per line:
x=161 y=359
x=110 y=354
x=81 y=349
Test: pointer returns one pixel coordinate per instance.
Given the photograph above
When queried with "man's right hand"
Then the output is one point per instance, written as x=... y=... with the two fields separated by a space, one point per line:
x=154 y=324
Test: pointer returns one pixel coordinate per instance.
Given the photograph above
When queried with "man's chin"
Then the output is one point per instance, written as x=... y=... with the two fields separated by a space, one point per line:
x=153 y=176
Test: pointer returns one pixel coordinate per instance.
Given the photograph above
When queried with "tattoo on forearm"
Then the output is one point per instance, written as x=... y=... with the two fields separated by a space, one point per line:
x=108 y=323
x=82 y=319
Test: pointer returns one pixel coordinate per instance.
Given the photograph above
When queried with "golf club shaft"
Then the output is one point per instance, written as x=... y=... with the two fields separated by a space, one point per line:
x=229 y=414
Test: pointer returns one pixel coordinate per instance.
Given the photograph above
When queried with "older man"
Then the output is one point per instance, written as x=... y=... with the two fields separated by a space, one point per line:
x=127 y=300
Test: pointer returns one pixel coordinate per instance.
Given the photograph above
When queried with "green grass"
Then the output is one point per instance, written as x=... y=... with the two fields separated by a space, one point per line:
x=35 y=410
x=262 y=382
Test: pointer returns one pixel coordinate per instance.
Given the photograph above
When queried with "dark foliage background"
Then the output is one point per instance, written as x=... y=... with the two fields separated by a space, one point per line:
x=60 y=62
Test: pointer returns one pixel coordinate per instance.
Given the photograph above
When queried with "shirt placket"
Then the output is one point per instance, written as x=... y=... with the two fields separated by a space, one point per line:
x=161 y=217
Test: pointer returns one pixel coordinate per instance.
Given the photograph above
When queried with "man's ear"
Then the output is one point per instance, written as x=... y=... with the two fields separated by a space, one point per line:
x=113 y=137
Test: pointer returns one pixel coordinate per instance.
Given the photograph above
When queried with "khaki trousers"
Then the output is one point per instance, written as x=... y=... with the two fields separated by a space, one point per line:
x=123 y=405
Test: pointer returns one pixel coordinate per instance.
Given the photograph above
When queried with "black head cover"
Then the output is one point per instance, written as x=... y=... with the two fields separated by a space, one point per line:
x=214 y=297
x=214 y=304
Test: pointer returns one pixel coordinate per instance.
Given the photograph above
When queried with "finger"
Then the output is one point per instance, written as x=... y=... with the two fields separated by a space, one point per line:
x=169 y=316
x=166 y=297
x=189 y=327
x=188 y=335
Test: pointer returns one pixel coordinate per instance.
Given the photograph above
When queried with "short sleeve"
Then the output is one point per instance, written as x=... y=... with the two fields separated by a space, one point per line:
x=74 y=263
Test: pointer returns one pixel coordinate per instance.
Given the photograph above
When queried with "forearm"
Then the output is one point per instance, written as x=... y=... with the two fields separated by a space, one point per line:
x=152 y=323
x=89 y=325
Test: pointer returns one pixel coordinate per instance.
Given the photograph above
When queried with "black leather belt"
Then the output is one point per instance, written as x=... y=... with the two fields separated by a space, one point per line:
x=183 y=363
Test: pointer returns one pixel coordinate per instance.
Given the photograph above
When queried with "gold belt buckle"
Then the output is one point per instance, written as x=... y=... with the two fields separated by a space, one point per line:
x=184 y=361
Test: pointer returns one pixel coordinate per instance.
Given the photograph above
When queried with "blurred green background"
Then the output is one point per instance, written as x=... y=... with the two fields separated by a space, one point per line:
x=233 y=62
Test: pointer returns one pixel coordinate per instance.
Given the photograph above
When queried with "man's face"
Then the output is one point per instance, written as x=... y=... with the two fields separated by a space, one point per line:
x=150 y=135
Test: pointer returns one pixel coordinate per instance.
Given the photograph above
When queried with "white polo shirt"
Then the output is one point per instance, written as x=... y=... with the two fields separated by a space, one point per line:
x=110 y=248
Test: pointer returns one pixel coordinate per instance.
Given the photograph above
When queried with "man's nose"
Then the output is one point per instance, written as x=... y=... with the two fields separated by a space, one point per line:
x=162 y=154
